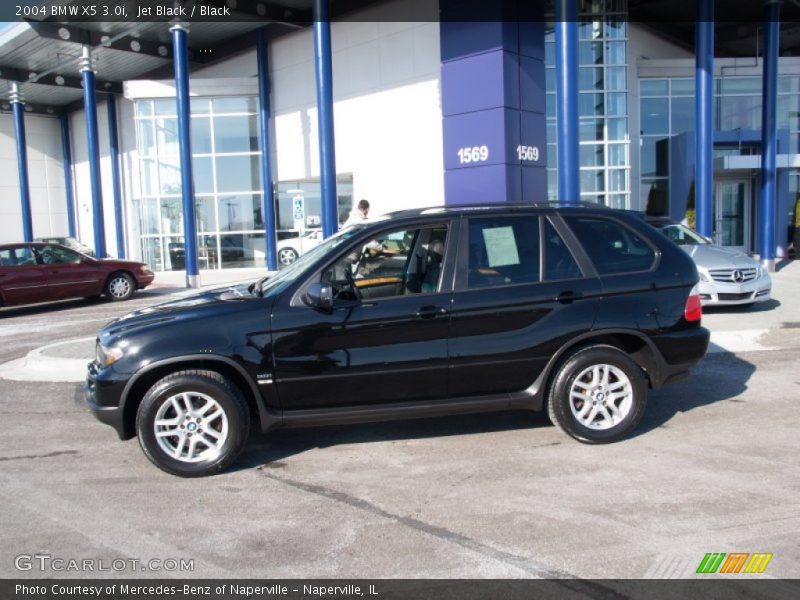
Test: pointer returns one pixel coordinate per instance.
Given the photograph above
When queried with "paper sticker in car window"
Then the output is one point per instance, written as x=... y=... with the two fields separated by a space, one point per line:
x=501 y=246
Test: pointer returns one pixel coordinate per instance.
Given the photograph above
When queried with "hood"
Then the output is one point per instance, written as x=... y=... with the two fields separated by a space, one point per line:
x=117 y=263
x=182 y=308
x=710 y=256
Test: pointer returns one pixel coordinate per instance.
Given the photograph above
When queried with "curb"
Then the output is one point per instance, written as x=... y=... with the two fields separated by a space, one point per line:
x=36 y=366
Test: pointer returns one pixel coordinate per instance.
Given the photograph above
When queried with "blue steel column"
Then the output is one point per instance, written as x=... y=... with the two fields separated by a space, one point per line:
x=704 y=79
x=184 y=141
x=113 y=144
x=22 y=162
x=266 y=170
x=66 y=155
x=769 y=102
x=324 y=76
x=566 y=26
x=93 y=148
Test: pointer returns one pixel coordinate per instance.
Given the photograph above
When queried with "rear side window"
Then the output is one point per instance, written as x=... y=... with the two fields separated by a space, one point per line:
x=503 y=251
x=612 y=247
x=17 y=257
x=7 y=258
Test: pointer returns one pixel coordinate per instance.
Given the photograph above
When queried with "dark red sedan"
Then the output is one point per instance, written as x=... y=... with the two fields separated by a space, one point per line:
x=37 y=272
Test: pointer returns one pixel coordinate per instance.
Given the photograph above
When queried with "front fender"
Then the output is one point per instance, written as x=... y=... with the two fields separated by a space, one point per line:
x=201 y=360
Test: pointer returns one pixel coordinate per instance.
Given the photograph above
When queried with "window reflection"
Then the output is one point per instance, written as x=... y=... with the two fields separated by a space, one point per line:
x=238 y=173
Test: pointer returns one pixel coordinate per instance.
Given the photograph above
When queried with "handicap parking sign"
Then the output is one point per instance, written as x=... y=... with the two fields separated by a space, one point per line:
x=298 y=208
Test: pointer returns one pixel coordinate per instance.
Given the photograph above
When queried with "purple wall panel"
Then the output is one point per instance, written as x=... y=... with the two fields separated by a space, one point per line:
x=480 y=82
x=485 y=184
x=493 y=102
x=497 y=130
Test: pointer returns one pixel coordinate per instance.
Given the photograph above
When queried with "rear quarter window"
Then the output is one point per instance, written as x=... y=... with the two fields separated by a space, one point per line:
x=613 y=247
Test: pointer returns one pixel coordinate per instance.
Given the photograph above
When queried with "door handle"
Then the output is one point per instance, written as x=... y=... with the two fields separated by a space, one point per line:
x=429 y=312
x=567 y=297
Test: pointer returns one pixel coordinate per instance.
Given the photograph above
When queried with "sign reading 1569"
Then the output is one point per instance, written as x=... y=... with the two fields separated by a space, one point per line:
x=529 y=153
x=475 y=154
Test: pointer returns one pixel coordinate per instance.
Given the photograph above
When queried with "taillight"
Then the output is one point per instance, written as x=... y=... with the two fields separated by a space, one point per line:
x=694 y=308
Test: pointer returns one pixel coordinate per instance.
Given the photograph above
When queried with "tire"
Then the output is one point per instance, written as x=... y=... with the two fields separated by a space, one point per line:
x=597 y=373
x=287 y=256
x=165 y=402
x=119 y=287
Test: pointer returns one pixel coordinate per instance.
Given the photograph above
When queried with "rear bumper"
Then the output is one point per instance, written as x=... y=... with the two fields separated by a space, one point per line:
x=678 y=351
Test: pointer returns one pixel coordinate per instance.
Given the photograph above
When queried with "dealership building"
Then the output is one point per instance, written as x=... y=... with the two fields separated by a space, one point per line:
x=272 y=124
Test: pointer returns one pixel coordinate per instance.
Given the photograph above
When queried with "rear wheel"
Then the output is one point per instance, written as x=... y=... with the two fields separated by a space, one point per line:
x=193 y=423
x=598 y=395
x=120 y=286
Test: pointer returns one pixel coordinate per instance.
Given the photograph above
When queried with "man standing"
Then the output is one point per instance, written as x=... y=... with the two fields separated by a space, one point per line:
x=358 y=214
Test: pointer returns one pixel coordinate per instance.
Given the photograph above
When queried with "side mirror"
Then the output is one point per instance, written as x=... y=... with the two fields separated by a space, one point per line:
x=319 y=296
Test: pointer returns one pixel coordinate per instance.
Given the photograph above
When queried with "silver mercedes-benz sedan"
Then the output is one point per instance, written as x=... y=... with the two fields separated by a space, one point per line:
x=727 y=277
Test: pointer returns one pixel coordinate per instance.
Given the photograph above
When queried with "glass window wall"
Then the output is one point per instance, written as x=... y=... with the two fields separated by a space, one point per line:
x=227 y=182
x=667 y=108
x=602 y=104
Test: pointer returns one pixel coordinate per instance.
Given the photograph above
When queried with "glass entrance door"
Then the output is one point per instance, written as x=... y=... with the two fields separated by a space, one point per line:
x=732 y=213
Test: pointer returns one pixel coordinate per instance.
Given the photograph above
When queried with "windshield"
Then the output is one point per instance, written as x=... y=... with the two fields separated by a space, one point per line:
x=286 y=276
x=683 y=236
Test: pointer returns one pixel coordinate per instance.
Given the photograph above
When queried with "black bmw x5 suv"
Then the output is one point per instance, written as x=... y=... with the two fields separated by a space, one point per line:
x=576 y=311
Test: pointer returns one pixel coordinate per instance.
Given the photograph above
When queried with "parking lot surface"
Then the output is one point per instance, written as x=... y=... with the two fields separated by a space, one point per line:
x=712 y=468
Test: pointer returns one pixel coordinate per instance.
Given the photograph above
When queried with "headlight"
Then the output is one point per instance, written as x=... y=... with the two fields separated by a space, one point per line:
x=703 y=276
x=107 y=356
x=759 y=271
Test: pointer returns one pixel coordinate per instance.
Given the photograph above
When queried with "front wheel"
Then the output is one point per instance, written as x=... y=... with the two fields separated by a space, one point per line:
x=287 y=256
x=120 y=286
x=598 y=395
x=193 y=423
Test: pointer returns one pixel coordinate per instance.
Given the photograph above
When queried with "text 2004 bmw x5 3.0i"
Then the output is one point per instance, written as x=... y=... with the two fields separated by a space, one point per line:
x=576 y=311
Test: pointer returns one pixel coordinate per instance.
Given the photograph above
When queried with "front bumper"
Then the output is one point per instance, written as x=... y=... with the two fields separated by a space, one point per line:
x=715 y=293
x=143 y=280
x=102 y=392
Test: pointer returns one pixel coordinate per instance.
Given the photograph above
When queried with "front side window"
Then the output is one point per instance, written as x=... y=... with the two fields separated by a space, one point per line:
x=503 y=251
x=612 y=247
x=394 y=263
x=58 y=255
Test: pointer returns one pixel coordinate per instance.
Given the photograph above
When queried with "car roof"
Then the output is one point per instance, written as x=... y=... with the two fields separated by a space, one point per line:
x=661 y=221
x=511 y=207
x=37 y=244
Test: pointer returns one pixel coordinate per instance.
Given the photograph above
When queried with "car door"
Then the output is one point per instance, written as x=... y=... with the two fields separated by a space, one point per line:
x=625 y=262
x=385 y=339
x=520 y=294
x=21 y=281
x=67 y=275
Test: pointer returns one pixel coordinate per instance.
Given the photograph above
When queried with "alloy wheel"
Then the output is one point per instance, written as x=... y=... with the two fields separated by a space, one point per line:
x=601 y=396
x=191 y=427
